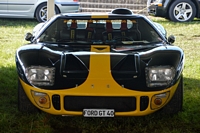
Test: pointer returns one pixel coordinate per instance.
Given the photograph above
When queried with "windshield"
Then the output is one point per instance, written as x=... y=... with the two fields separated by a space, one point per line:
x=100 y=31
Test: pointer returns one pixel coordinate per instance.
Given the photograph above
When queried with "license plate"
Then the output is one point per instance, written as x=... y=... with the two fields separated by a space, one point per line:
x=98 y=112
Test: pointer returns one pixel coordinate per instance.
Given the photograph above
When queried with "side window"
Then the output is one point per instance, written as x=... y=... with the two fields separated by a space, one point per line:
x=147 y=32
x=50 y=33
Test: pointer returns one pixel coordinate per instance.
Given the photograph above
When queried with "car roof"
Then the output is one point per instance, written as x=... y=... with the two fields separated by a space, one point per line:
x=100 y=15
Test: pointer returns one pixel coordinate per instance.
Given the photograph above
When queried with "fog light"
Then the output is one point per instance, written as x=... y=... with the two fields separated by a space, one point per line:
x=41 y=99
x=158 y=100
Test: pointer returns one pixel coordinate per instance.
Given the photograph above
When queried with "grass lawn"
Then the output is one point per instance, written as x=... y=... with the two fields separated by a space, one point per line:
x=12 y=121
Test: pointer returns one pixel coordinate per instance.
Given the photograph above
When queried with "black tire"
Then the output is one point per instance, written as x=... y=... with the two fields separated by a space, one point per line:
x=182 y=11
x=176 y=103
x=41 y=12
x=24 y=104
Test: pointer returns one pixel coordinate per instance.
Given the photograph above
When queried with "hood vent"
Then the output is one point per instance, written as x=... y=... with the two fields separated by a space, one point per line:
x=73 y=67
x=127 y=66
x=100 y=48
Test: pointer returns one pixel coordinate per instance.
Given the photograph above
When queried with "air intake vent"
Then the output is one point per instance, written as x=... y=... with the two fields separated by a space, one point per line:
x=144 y=101
x=56 y=102
x=119 y=104
x=121 y=11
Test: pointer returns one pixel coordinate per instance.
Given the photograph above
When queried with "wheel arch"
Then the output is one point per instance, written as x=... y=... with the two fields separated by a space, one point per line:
x=197 y=5
x=41 y=4
x=167 y=5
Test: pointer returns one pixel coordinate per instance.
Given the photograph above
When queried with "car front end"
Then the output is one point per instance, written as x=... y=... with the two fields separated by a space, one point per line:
x=157 y=7
x=78 y=69
x=58 y=88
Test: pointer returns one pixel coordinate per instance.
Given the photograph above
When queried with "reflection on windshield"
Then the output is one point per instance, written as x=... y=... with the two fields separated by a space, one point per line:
x=126 y=32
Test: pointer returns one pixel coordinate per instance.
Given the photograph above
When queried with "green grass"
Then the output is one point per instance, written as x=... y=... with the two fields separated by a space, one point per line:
x=12 y=121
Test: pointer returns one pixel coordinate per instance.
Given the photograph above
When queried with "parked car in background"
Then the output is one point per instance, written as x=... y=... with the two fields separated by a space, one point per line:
x=100 y=65
x=175 y=10
x=35 y=8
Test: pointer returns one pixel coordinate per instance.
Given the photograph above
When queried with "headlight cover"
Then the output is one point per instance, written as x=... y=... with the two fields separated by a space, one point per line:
x=156 y=1
x=40 y=75
x=157 y=76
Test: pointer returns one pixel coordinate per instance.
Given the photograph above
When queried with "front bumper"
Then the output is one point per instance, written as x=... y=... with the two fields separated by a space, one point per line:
x=103 y=94
x=157 y=9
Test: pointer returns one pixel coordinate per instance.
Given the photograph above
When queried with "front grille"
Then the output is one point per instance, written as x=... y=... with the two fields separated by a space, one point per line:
x=119 y=104
x=56 y=101
x=144 y=102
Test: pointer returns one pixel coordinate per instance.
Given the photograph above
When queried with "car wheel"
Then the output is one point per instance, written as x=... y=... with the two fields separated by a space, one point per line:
x=182 y=11
x=24 y=104
x=41 y=12
x=175 y=104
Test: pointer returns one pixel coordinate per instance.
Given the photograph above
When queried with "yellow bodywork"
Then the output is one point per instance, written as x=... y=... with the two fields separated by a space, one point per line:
x=99 y=83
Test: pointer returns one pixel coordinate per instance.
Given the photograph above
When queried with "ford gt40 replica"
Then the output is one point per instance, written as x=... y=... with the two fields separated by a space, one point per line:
x=100 y=65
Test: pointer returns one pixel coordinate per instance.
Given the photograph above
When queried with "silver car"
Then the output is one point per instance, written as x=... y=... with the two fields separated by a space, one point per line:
x=35 y=8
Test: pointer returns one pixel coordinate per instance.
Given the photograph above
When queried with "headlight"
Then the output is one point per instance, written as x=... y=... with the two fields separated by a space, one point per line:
x=157 y=2
x=159 y=76
x=39 y=75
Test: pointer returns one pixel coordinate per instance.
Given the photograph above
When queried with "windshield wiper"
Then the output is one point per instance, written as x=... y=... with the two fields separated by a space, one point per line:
x=135 y=42
x=133 y=48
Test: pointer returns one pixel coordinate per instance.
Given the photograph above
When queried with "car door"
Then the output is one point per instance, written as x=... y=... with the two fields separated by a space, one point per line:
x=21 y=8
x=3 y=7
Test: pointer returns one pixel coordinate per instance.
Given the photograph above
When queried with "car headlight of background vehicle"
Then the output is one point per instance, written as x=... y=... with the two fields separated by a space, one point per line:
x=159 y=76
x=155 y=2
x=41 y=76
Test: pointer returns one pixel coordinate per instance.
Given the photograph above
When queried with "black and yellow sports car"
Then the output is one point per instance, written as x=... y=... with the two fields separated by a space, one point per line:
x=100 y=65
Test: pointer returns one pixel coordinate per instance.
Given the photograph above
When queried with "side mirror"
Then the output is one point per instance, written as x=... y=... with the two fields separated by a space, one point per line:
x=171 y=39
x=28 y=36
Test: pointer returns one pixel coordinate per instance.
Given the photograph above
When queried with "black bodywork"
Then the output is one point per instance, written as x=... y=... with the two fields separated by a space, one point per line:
x=76 y=66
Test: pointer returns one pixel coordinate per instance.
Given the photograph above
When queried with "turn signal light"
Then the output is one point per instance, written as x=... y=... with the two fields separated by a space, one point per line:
x=159 y=100
x=41 y=99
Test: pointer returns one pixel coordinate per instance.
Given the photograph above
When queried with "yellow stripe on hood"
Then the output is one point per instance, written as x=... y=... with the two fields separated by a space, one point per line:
x=100 y=62
x=98 y=15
